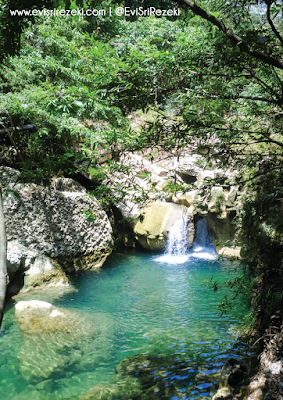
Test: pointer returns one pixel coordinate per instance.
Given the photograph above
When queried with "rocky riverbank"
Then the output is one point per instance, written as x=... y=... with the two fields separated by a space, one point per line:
x=56 y=230
x=51 y=231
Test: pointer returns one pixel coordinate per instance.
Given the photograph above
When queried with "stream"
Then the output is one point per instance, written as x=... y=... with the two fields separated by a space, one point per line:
x=157 y=331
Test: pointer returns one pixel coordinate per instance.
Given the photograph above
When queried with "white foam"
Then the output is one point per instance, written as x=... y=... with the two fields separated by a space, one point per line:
x=204 y=255
x=172 y=259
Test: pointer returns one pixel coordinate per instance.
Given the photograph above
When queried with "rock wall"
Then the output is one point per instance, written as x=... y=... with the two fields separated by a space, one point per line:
x=61 y=222
x=218 y=204
x=147 y=182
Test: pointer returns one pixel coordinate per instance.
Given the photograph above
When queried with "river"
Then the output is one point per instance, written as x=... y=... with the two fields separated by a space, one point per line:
x=155 y=311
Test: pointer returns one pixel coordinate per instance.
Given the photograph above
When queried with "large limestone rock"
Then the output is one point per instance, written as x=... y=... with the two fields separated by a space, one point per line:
x=136 y=183
x=29 y=269
x=61 y=222
x=155 y=221
x=229 y=252
x=150 y=177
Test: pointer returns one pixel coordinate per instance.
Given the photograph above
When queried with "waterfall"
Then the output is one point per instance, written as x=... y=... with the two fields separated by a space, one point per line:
x=203 y=243
x=203 y=237
x=177 y=242
x=177 y=252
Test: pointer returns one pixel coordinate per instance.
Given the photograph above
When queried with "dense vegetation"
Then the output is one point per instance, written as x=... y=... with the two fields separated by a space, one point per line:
x=209 y=80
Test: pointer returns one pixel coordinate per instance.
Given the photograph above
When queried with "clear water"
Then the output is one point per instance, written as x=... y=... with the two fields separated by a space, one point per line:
x=136 y=304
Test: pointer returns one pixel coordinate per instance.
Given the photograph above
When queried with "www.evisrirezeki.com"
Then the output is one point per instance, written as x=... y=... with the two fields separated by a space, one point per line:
x=119 y=11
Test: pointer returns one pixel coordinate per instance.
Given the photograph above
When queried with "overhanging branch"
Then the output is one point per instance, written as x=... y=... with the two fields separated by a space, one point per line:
x=230 y=34
x=235 y=131
x=235 y=97
x=275 y=31
x=257 y=141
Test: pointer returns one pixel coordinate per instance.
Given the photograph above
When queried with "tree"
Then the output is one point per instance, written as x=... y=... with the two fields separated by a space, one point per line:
x=236 y=81
x=3 y=269
x=11 y=27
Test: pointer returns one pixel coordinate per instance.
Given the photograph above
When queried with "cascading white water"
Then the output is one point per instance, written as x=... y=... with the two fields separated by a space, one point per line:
x=178 y=238
x=203 y=244
x=177 y=242
x=203 y=237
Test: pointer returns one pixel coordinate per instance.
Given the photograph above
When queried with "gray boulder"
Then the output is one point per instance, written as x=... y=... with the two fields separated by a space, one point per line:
x=30 y=269
x=61 y=222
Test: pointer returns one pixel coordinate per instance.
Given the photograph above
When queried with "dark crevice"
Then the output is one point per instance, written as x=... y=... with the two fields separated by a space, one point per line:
x=187 y=178
x=16 y=284
x=87 y=183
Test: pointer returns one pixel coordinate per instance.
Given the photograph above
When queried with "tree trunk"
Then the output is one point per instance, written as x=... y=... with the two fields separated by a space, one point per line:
x=3 y=268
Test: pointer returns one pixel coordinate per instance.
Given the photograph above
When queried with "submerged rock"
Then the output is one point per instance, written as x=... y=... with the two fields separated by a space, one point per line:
x=36 y=316
x=158 y=375
x=128 y=389
x=58 y=342
x=144 y=377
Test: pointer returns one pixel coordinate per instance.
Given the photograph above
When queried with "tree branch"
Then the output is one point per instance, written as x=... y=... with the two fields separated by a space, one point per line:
x=259 y=174
x=264 y=134
x=257 y=141
x=254 y=98
x=230 y=34
x=275 y=31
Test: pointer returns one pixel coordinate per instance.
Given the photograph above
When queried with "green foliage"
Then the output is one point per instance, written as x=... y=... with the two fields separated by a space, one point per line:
x=262 y=230
x=76 y=80
x=174 y=187
x=11 y=27
x=240 y=287
x=89 y=216
x=56 y=86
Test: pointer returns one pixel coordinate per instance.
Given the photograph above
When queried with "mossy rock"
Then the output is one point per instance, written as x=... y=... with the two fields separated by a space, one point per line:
x=155 y=373
x=128 y=389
